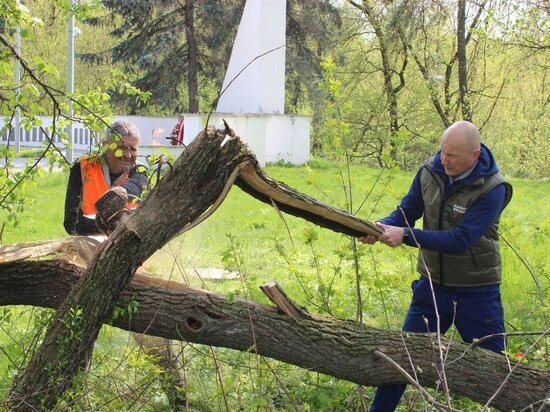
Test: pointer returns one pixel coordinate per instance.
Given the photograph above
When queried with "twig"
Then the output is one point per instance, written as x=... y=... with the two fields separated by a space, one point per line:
x=413 y=382
x=274 y=204
x=286 y=305
x=505 y=381
x=235 y=78
x=442 y=356
x=476 y=342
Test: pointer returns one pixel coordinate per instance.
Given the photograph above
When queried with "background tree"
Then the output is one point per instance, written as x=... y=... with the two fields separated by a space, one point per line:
x=501 y=38
x=393 y=63
x=312 y=30
x=523 y=120
x=444 y=62
x=192 y=65
x=473 y=84
x=169 y=44
x=462 y=58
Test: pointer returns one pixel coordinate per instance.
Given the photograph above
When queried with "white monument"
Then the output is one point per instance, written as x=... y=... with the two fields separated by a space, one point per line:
x=255 y=78
x=253 y=92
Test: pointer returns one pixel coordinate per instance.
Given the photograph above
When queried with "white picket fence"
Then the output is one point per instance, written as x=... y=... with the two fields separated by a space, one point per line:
x=153 y=131
x=36 y=137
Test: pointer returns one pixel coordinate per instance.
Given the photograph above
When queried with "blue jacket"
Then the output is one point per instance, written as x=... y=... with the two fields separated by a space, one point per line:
x=476 y=221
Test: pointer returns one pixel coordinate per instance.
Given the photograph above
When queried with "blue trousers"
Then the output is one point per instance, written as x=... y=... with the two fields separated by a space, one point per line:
x=478 y=312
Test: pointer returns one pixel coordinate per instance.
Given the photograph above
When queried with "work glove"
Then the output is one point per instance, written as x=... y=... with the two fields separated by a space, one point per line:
x=111 y=210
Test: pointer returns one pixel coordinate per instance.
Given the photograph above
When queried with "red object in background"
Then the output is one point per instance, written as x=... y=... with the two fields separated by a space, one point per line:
x=177 y=137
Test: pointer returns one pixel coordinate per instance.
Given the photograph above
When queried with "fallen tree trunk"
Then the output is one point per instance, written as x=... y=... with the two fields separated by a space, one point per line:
x=42 y=274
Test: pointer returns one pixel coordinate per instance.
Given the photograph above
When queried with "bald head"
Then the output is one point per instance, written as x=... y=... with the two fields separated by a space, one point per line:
x=465 y=132
x=460 y=148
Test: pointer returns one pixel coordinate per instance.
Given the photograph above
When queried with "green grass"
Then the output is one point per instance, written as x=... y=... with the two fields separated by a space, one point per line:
x=313 y=265
x=300 y=255
x=24 y=153
x=42 y=218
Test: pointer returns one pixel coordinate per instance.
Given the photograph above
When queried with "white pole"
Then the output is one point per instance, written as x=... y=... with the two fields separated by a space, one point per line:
x=17 y=119
x=70 y=78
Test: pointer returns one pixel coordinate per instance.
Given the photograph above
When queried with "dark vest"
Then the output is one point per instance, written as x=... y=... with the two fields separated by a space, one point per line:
x=480 y=264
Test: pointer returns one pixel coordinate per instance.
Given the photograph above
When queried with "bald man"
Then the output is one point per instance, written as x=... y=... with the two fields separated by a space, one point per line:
x=460 y=195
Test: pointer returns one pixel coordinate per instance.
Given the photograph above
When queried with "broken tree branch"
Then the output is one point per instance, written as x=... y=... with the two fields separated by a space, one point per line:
x=199 y=178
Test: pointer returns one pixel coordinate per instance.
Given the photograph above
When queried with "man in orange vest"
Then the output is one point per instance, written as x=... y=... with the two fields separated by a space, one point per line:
x=102 y=188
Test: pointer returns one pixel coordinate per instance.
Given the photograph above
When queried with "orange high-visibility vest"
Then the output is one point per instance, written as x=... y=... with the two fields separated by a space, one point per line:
x=95 y=184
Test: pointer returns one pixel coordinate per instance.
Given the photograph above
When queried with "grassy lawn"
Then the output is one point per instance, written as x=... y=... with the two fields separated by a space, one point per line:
x=42 y=218
x=313 y=265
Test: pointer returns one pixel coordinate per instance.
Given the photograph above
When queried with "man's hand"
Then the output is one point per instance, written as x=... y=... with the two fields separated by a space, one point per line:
x=110 y=209
x=370 y=239
x=119 y=190
x=392 y=236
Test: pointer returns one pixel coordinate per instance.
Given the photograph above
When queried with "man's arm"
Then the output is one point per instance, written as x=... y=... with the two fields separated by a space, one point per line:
x=411 y=207
x=476 y=222
x=137 y=181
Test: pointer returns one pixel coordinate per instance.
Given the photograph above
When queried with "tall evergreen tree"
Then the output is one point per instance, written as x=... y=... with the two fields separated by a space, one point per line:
x=179 y=49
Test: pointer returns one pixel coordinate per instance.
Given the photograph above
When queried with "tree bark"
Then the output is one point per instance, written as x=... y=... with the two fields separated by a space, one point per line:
x=43 y=274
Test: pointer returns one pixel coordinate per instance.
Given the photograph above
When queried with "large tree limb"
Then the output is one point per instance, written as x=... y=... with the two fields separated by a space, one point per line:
x=42 y=274
x=199 y=179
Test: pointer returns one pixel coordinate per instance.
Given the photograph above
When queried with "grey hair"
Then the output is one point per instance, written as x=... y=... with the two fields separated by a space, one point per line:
x=121 y=128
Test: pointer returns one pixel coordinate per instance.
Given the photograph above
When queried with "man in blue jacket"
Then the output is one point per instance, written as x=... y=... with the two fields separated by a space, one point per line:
x=460 y=195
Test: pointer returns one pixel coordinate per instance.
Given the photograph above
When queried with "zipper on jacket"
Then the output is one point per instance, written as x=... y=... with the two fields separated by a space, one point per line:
x=441 y=184
x=440 y=225
x=444 y=198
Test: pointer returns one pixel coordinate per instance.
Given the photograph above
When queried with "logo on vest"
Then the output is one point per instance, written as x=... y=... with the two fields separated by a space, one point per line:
x=459 y=209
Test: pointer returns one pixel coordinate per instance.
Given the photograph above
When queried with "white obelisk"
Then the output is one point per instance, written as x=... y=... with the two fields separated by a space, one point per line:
x=255 y=78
